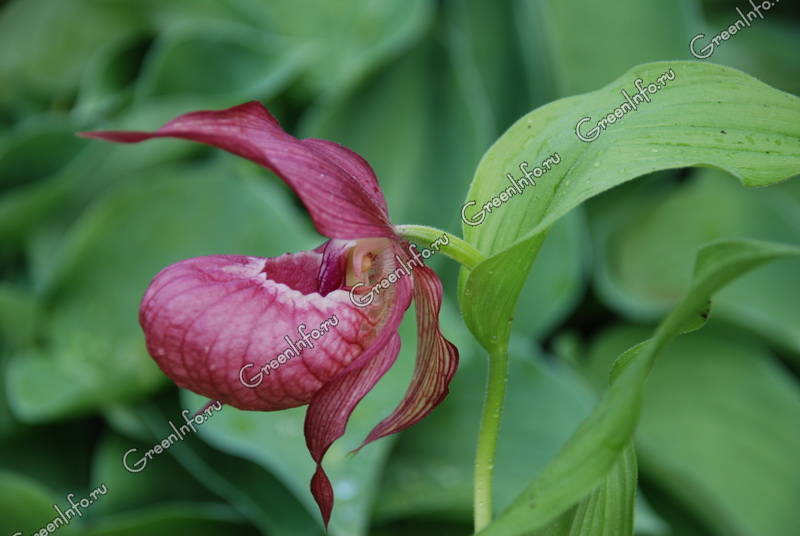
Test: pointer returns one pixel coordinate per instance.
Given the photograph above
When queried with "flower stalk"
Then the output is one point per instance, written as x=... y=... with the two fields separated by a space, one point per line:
x=456 y=248
x=488 y=434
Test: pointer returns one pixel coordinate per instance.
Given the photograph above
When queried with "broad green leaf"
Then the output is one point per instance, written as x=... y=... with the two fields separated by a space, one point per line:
x=225 y=63
x=27 y=506
x=22 y=149
x=719 y=429
x=168 y=520
x=557 y=279
x=746 y=128
x=635 y=277
x=493 y=62
x=568 y=48
x=19 y=313
x=93 y=352
x=50 y=456
x=163 y=484
x=596 y=447
x=766 y=49
x=349 y=37
x=608 y=510
x=45 y=44
x=245 y=485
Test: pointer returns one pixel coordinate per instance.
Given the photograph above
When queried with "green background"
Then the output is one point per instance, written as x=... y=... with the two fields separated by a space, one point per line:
x=420 y=89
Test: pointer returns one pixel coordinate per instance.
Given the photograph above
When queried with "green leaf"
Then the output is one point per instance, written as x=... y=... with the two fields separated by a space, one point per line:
x=50 y=456
x=596 y=447
x=558 y=278
x=225 y=63
x=748 y=129
x=245 y=485
x=26 y=507
x=44 y=44
x=719 y=428
x=167 y=483
x=567 y=45
x=639 y=281
x=194 y=519
x=22 y=149
x=607 y=510
x=766 y=49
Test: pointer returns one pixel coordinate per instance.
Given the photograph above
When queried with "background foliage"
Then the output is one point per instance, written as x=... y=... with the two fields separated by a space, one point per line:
x=421 y=89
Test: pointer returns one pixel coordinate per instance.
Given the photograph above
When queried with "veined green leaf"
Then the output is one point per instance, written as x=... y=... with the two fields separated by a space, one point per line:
x=707 y=115
x=719 y=428
x=598 y=444
x=606 y=511
x=636 y=279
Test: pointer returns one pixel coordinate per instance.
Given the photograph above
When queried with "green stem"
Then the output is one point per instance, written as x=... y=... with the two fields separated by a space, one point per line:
x=456 y=248
x=488 y=434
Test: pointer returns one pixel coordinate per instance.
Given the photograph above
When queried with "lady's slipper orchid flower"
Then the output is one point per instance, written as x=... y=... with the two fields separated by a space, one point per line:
x=274 y=333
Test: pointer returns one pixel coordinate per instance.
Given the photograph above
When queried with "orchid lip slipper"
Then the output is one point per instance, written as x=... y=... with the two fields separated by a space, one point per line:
x=206 y=319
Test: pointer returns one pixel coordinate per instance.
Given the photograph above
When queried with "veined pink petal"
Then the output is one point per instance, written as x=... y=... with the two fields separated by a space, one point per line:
x=219 y=325
x=337 y=186
x=437 y=360
x=330 y=410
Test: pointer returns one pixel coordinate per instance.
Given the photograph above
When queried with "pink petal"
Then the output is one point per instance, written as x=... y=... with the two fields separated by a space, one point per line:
x=212 y=323
x=330 y=410
x=437 y=360
x=337 y=186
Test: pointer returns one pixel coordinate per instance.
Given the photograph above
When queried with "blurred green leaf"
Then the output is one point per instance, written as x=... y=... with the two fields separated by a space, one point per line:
x=22 y=150
x=26 y=507
x=602 y=438
x=45 y=44
x=758 y=143
x=492 y=60
x=574 y=46
x=765 y=50
x=50 y=455
x=719 y=429
x=637 y=279
x=226 y=63
x=168 y=483
x=194 y=519
x=253 y=491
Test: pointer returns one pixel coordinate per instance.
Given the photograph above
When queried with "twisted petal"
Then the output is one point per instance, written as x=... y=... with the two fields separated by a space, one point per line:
x=256 y=333
x=330 y=410
x=337 y=186
x=437 y=360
